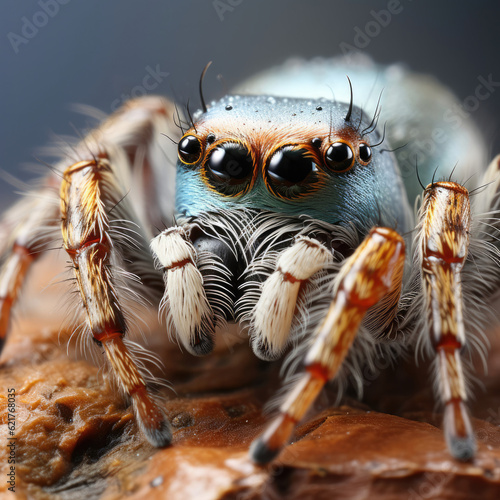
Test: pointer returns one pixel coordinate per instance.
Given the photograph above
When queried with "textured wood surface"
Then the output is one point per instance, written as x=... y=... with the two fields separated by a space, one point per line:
x=76 y=438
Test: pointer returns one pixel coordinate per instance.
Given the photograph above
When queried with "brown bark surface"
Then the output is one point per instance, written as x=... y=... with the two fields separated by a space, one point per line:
x=76 y=437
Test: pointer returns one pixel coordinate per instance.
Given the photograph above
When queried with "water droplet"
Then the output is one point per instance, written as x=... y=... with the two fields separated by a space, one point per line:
x=157 y=481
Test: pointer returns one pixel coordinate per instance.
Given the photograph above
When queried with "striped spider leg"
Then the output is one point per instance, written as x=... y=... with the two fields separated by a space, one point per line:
x=370 y=282
x=456 y=249
x=106 y=238
x=443 y=247
x=373 y=274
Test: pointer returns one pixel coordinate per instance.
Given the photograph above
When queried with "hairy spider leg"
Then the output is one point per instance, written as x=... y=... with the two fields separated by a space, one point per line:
x=374 y=271
x=86 y=198
x=28 y=228
x=445 y=219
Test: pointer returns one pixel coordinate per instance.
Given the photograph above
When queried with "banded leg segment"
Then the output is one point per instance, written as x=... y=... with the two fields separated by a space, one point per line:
x=445 y=221
x=87 y=194
x=28 y=240
x=26 y=230
x=274 y=312
x=374 y=271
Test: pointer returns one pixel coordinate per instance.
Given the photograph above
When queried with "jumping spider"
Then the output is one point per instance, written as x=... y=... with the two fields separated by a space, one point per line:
x=292 y=219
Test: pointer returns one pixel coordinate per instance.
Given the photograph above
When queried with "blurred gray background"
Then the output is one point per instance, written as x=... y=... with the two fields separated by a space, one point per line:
x=59 y=52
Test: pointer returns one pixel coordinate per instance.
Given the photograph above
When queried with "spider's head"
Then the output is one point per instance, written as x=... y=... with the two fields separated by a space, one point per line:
x=291 y=156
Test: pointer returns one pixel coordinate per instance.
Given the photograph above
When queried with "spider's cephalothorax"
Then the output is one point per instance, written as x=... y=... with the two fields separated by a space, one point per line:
x=290 y=156
x=291 y=220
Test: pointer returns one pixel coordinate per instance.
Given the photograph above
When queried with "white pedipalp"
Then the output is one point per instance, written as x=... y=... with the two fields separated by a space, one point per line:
x=275 y=309
x=184 y=303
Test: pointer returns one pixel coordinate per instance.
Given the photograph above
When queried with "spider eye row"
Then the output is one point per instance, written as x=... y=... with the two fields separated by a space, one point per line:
x=229 y=165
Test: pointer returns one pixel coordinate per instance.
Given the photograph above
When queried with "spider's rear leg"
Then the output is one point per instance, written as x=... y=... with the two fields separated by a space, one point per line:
x=88 y=195
x=445 y=219
x=373 y=273
x=273 y=314
x=26 y=231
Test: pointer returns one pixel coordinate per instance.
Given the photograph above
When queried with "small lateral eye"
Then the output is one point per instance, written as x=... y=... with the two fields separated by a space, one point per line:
x=189 y=149
x=316 y=142
x=339 y=157
x=365 y=152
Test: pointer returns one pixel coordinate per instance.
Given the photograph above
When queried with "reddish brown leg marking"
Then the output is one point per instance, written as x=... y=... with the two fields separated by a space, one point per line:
x=85 y=198
x=445 y=240
x=28 y=242
x=13 y=274
x=370 y=274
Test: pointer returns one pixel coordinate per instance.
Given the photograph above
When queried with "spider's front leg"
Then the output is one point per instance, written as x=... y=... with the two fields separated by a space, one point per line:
x=444 y=240
x=371 y=275
x=111 y=260
x=87 y=197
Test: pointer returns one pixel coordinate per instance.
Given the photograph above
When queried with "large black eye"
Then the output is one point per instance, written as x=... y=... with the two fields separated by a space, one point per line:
x=290 y=166
x=339 y=157
x=365 y=152
x=230 y=162
x=189 y=149
x=228 y=168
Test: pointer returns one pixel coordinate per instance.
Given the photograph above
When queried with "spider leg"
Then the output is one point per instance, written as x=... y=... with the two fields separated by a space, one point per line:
x=26 y=231
x=275 y=309
x=99 y=201
x=374 y=271
x=88 y=193
x=445 y=219
x=30 y=226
